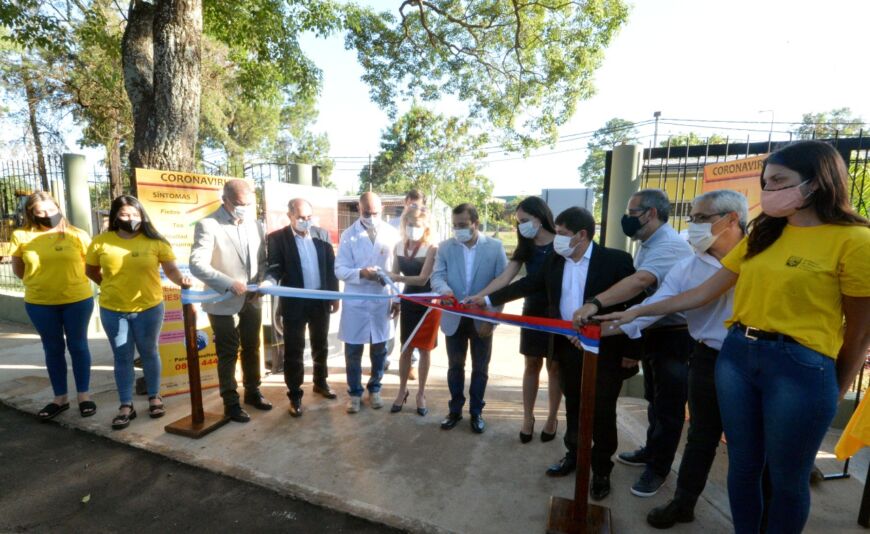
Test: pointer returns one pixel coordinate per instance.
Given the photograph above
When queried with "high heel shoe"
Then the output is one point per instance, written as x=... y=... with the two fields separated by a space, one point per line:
x=396 y=408
x=547 y=436
x=525 y=438
x=424 y=410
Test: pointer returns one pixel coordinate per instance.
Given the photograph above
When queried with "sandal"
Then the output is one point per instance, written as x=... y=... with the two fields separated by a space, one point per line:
x=87 y=408
x=51 y=410
x=156 y=410
x=122 y=421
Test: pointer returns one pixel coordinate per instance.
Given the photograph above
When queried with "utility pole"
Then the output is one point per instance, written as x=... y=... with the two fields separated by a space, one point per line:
x=656 y=114
x=770 y=133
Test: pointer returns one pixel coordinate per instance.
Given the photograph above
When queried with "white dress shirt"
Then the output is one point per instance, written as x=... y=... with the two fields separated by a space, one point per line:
x=707 y=323
x=469 y=253
x=574 y=284
x=308 y=260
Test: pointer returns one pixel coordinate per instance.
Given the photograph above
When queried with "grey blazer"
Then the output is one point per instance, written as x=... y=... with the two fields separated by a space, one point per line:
x=217 y=258
x=449 y=273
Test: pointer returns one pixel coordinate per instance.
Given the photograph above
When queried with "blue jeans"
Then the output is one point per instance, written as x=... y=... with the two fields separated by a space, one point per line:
x=60 y=327
x=126 y=329
x=481 y=350
x=353 y=364
x=777 y=400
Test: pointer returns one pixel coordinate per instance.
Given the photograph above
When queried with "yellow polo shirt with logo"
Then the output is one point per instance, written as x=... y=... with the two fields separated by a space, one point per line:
x=54 y=265
x=130 y=269
x=795 y=286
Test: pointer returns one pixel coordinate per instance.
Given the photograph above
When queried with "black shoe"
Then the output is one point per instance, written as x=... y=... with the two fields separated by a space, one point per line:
x=122 y=420
x=237 y=414
x=525 y=438
x=648 y=484
x=478 y=425
x=565 y=467
x=324 y=390
x=548 y=436
x=638 y=458
x=295 y=409
x=450 y=421
x=675 y=511
x=600 y=487
x=258 y=401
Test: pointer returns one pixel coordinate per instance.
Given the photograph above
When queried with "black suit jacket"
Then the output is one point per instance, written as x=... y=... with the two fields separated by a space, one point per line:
x=285 y=266
x=607 y=266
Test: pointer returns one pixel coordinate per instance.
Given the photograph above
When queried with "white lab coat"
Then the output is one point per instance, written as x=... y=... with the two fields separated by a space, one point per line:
x=365 y=321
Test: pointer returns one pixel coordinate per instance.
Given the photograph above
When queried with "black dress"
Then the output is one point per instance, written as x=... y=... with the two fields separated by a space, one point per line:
x=533 y=342
x=410 y=313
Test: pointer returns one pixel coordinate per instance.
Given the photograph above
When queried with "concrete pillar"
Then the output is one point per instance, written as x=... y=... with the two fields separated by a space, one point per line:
x=75 y=178
x=624 y=182
x=302 y=174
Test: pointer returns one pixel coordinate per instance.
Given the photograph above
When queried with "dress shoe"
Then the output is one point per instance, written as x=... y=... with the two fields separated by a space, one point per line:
x=450 y=421
x=295 y=409
x=600 y=487
x=376 y=401
x=237 y=414
x=548 y=436
x=565 y=467
x=396 y=408
x=353 y=405
x=527 y=437
x=675 y=511
x=478 y=425
x=324 y=390
x=258 y=401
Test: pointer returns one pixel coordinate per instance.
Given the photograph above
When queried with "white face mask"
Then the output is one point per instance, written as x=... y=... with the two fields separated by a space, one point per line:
x=562 y=245
x=463 y=235
x=241 y=212
x=370 y=221
x=303 y=225
x=701 y=236
x=528 y=229
x=415 y=233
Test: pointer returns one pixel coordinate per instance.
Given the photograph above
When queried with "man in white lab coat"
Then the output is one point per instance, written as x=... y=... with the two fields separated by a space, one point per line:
x=364 y=247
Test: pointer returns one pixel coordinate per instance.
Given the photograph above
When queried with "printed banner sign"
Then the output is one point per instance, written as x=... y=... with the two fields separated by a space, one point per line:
x=740 y=175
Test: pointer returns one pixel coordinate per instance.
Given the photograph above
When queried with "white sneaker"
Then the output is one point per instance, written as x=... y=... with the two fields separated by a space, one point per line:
x=375 y=400
x=353 y=405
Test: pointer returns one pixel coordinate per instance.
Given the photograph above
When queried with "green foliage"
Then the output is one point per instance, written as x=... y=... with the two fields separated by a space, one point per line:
x=693 y=139
x=829 y=124
x=615 y=132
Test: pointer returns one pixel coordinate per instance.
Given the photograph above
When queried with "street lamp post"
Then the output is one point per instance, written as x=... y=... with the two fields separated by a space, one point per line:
x=770 y=133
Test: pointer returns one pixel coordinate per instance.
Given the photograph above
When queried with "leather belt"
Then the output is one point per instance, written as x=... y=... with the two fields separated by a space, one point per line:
x=755 y=334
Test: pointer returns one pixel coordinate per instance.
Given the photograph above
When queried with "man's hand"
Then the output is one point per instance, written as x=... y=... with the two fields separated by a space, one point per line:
x=239 y=288
x=446 y=297
x=334 y=306
x=610 y=328
x=266 y=283
x=475 y=302
x=617 y=318
x=582 y=315
x=369 y=273
x=394 y=310
x=628 y=363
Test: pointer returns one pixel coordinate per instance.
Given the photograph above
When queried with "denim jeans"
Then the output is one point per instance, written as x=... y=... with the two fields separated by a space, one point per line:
x=457 y=348
x=353 y=364
x=777 y=399
x=126 y=329
x=60 y=327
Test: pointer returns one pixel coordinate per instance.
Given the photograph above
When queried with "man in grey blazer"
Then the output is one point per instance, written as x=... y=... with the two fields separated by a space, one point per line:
x=464 y=266
x=228 y=253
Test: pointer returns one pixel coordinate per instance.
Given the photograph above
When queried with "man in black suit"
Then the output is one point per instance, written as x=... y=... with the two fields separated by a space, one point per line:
x=300 y=255
x=579 y=269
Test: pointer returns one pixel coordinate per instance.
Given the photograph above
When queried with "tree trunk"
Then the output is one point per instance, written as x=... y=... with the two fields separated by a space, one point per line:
x=116 y=177
x=161 y=53
x=30 y=93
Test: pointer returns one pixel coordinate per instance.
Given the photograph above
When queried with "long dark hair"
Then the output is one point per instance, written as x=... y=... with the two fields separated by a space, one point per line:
x=536 y=207
x=146 y=227
x=823 y=166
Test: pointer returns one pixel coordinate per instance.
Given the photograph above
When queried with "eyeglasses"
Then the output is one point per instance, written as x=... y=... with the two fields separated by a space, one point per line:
x=639 y=211
x=702 y=218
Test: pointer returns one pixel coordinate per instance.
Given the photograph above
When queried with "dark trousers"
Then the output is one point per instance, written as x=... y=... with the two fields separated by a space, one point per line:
x=228 y=337
x=316 y=316
x=705 y=425
x=457 y=348
x=665 y=380
x=608 y=382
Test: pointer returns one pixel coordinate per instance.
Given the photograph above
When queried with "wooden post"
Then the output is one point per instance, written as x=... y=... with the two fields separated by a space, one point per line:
x=198 y=423
x=578 y=516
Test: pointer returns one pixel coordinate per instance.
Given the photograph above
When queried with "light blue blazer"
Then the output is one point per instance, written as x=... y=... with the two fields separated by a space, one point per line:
x=449 y=273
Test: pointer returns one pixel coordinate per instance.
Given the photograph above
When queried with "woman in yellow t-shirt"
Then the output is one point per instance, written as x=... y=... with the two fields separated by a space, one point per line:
x=48 y=255
x=125 y=261
x=798 y=334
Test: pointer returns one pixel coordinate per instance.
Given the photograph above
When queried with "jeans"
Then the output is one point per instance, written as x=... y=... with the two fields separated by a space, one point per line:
x=777 y=399
x=231 y=332
x=665 y=370
x=481 y=350
x=61 y=326
x=353 y=364
x=705 y=425
x=124 y=329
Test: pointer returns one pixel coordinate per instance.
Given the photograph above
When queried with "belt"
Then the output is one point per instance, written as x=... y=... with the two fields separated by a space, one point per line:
x=755 y=334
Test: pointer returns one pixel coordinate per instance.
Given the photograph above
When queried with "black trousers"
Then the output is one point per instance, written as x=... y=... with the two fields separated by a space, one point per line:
x=608 y=382
x=314 y=315
x=230 y=332
x=665 y=380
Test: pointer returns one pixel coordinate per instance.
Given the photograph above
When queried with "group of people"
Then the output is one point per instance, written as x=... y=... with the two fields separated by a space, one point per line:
x=760 y=326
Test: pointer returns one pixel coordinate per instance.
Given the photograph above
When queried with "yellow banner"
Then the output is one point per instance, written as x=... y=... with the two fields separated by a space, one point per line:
x=740 y=175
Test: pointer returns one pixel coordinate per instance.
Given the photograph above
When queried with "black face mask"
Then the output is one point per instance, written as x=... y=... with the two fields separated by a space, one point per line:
x=631 y=225
x=48 y=222
x=131 y=226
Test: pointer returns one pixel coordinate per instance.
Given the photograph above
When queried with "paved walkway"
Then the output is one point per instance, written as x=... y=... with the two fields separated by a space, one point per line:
x=401 y=469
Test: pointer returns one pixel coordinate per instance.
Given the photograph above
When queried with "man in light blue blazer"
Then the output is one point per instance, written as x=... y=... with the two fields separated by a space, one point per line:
x=464 y=266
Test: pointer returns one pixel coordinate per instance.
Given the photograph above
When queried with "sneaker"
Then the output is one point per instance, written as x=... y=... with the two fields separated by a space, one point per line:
x=636 y=458
x=375 y=400
x=675 y=511
x=648 y=484
x=353 y=405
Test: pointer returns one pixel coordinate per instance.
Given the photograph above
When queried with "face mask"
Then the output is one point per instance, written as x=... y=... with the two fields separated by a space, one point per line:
x=463 y=235
x=701 y=236
x=631 y=225
x=48 y=222
x=528 y=229
x=240 y=212
x=130 y=226
x=369 y=221
x=415 y=233
x=562 y=245
x=783 y=202
x=303 y=225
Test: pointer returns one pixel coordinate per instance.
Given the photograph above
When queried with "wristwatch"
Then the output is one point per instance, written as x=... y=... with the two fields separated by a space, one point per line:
x=596 y=302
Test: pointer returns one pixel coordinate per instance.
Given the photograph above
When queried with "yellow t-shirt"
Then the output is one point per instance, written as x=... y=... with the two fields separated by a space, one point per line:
x=794 y=287
x=130 y=269
x=54 y=267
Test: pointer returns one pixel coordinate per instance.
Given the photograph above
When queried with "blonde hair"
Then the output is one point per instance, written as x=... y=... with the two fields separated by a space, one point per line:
x=41 y=196
x=415 y=215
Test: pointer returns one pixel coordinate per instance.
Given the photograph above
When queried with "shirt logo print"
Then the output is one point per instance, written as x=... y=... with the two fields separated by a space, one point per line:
x=793 y=261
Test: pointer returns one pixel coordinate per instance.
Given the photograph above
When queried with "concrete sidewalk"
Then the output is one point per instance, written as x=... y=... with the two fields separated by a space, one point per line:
x=401 y=469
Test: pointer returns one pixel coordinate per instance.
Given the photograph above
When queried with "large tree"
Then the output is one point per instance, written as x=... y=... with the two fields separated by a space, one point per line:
x=615 y=132
x=828 y=124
